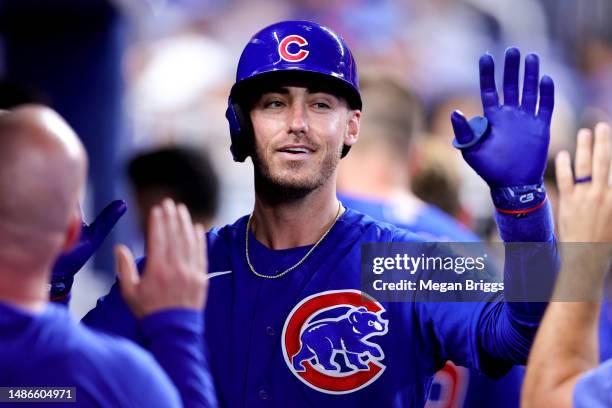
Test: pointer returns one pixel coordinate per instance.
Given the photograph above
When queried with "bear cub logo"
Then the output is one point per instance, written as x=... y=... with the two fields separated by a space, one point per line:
x=321 y=340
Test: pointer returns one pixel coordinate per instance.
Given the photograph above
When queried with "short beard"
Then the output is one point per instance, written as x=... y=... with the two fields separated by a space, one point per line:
x=276 y=191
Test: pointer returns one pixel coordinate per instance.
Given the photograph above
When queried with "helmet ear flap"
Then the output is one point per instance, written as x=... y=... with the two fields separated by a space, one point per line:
x=241 y=131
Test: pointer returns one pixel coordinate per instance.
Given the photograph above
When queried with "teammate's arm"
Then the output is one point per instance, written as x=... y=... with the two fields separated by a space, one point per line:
x=91 y=237
x=566 y=345
x=169 y=297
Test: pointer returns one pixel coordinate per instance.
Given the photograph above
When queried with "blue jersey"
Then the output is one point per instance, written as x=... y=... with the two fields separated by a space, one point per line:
x=311 y=339
x=49 y=349
x=426 y=220
x=605 y=328
x=453 y=386
x=594 y=388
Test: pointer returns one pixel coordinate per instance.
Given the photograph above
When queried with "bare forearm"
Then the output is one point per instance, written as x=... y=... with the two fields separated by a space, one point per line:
x=566 y=344
x=565 y=347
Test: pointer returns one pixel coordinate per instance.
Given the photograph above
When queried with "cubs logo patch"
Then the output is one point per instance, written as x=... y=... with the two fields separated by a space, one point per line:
x=327 y=341
x=295 y=42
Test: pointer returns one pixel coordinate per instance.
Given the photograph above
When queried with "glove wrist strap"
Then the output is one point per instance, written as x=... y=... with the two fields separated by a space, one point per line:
x=60 y=287
x=519 y=200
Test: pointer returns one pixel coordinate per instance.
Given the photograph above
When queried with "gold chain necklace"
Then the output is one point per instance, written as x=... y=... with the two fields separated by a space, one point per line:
x=301 y=261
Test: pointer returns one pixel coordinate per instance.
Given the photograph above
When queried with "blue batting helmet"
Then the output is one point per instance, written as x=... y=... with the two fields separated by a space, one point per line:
x=289 y=50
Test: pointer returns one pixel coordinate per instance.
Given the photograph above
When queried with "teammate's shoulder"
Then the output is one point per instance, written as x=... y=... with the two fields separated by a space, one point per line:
x=56 y=343
x=117 y=364
x=376 y=230
x=102 y=349
x=98 y=352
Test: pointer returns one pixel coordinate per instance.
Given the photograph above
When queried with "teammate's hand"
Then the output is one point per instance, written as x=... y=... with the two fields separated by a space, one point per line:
x=91 y=237
x=585 y=197
x=509 y=146
x=175 y=272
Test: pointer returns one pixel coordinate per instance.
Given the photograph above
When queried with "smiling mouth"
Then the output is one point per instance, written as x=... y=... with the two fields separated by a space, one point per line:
x=295 y=150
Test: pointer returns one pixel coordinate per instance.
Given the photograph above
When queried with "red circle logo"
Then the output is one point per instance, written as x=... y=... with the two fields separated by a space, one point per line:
x=283 y=48
x=327 y=341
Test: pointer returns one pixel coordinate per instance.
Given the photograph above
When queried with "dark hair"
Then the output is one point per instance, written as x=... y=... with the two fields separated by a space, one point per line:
x=188 y=174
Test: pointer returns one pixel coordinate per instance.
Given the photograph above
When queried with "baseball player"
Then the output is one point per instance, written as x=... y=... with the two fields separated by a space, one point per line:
x=563 y=368
x=43 y=172
x=286 y=322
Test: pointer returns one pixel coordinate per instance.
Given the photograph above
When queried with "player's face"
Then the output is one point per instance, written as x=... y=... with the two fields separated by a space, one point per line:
x=299 y=136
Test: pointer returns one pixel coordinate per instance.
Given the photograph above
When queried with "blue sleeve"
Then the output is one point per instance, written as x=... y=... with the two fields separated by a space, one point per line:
x=496 y=333
x=110 y=380
x=175 y=338
x=454 y=325
x=112 y=315
x=594 y=388
x=536 y=226
x=133 y=371
x=478 y=335
x=507 y=329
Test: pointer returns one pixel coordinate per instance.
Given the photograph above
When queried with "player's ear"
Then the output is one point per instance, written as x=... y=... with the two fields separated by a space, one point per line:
x=352 y=127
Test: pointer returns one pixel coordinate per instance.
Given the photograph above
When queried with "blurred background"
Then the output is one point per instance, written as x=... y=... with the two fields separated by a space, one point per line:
x=145 y=85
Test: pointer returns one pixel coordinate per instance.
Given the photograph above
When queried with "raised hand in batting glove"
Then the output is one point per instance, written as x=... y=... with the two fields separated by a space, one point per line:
x=91 y=237
x=508 y=146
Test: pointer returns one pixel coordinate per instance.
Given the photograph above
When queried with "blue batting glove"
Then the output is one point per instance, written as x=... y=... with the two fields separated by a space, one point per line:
x=508 y=146
x=92 y=236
